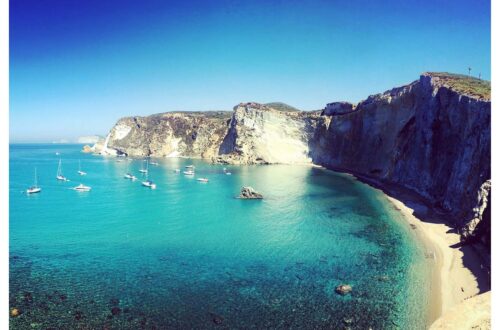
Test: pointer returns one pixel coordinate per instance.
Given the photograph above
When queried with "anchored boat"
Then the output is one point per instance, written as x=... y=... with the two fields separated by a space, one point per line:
x=34 y=188
x=60 y=176
x=148 y=183
x=130 y=176
x=82 y=187
x=80 y=169
x=144 y=169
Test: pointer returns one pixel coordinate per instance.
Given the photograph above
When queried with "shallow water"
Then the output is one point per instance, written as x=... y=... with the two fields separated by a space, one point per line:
x=190 y=255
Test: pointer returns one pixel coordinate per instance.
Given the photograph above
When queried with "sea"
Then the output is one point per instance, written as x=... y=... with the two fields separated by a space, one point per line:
x=190 y=255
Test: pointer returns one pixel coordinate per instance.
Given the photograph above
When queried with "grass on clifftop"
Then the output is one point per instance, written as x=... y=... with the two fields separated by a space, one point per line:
x=463 y=84
x=280 y=106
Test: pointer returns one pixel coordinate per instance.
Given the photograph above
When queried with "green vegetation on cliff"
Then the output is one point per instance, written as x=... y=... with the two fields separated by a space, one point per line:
x=463 y=84
x=280 y=106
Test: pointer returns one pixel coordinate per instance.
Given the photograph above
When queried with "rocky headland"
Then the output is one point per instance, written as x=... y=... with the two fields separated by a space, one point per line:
x=430 y=138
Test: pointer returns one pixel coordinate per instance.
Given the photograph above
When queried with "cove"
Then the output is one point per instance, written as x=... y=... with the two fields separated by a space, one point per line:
x=190 y=255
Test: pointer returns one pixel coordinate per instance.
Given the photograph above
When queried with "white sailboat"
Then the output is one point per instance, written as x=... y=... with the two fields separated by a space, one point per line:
x=148 y=183
x=60 y=176
x=34 y=188
x=144 y=170
x=80 y=169
x=130 y=176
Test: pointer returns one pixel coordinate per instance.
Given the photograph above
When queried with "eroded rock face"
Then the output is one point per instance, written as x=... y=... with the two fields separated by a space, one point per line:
x=338 y=108
x=186 y=134
x=478 y=228
x=423 y=136
x=259 y=134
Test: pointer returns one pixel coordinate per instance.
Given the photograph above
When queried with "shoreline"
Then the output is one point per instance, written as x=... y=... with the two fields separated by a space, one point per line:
x=458 y=273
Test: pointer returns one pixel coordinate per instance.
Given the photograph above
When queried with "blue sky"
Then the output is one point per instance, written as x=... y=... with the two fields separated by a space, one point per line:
x=78 y=66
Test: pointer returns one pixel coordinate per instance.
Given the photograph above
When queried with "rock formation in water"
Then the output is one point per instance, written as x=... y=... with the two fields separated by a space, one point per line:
x=431 y=136
x=249 y=193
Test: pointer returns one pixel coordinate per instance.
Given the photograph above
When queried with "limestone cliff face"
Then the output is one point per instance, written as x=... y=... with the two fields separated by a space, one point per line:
x=175 y=134
x=424 y=136
x=259 y=134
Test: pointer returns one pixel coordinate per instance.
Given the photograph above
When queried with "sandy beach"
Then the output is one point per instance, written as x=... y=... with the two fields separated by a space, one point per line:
x=458 y=274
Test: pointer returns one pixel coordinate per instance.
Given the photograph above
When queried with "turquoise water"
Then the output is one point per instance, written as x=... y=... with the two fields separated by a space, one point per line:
x=190 y=255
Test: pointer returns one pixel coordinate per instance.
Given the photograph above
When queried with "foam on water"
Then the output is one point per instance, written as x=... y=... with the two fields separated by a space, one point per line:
x=190 y=255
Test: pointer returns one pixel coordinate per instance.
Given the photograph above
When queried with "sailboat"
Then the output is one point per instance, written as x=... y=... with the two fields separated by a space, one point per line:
x=60 y=176
x=34 y=188
x=144 y=170
x=148 y=183
x=130 y=176
x=80 y=169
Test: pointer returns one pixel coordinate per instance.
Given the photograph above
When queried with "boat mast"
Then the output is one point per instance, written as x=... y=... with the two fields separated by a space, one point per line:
x=36 y=179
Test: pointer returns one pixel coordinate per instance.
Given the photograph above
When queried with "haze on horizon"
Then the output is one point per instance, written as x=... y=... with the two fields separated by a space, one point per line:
x=77 y=67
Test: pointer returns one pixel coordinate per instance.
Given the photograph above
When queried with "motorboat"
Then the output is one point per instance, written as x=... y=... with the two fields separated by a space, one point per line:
x=82 y=187
x=205 y=180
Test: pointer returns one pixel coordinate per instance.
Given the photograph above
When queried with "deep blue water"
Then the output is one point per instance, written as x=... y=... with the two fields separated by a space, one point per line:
x=190 y=255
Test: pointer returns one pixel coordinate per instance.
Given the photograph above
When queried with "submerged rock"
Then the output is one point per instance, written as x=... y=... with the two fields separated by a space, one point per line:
x=249 y=193
x=343 y=289
x=116 y=310
x=78 y=315
x=217 y=319
x=15 y=312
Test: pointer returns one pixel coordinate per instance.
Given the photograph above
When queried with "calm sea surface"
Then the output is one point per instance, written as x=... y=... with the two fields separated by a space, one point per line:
x=190 y=255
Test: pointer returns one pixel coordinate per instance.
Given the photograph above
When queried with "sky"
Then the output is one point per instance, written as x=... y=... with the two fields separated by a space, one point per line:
x=76 y=67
